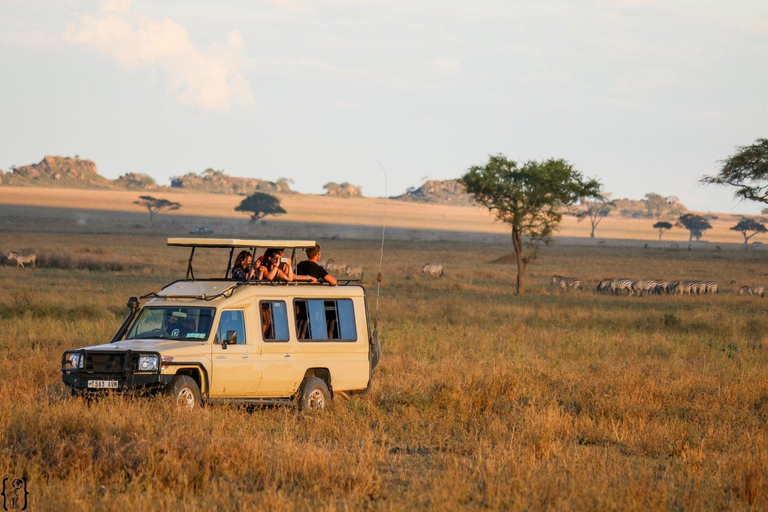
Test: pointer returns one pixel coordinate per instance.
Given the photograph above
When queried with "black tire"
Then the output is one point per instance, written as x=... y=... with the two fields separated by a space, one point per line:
x=184 y=391
x=314 y=395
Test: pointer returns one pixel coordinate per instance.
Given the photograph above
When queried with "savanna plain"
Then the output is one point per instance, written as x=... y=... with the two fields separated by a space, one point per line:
x=483 y=399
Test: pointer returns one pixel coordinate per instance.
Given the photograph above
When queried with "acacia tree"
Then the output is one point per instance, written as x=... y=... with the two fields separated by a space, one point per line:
x=530 y=197
x=695 y=224
x=747 y=170
x=747 y=225
x=259 y=205
x=661 y=226
x=596 y=210
x=155 y=205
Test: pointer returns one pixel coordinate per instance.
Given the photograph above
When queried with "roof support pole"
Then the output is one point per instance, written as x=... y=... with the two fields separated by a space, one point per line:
x=190 y=272
x=229 y=263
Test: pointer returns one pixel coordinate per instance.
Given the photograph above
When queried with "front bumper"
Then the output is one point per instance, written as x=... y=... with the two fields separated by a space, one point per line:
x=141 y=382
x=126 y=374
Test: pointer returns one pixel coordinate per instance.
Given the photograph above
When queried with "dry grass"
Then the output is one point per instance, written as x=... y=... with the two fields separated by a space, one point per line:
x=482 y=400
x=332 y=211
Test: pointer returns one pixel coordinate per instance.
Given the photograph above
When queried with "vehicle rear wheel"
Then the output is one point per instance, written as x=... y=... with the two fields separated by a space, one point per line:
x=314 y=395
x=184 y=391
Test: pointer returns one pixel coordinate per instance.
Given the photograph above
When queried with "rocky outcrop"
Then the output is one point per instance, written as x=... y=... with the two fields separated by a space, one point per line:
x=57 y=171
x=345 y=189
x=215 y=181
x=137 y=181
x=439 y=192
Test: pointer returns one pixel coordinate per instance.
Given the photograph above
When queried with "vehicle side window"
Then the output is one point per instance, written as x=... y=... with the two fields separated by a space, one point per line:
x=274 y=321
x=346 y=313
x=325 y=320
x=231 y=321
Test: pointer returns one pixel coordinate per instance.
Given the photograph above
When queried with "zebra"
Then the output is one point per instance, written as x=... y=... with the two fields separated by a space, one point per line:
x=621 y=284
x=433 y=270
x=752 y=290
x=644 y=286
x=332 y=266
x=21 y=259
x=661 y=288
x=354 y=271
x=711 y=287
x=566 y=282
x=692 y=287
x=604 y=286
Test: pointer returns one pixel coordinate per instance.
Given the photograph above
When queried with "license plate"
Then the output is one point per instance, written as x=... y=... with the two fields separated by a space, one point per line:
x=102 y=384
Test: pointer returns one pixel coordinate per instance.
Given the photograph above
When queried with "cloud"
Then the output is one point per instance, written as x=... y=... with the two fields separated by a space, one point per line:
x=115 y=5
x=710 y=115
x=446 y=65
x=209 y=79
x=552 y=78
x=346 y=105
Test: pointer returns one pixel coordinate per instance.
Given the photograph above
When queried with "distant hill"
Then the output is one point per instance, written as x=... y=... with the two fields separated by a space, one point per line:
x=345 y=189
x=137 y=181
x=652 y=206
x=439 y=192
x=66 y=172
x=217 y=182
x=57 y=171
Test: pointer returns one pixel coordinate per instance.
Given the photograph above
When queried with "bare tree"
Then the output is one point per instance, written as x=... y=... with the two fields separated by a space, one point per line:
x=155 y=205
x=596 y=210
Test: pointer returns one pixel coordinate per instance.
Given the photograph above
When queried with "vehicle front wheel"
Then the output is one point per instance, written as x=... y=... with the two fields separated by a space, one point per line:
x=184 y=391
x=314 y=395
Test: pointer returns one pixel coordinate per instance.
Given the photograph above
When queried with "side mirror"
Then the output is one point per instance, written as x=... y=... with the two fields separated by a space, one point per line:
x=231 y=338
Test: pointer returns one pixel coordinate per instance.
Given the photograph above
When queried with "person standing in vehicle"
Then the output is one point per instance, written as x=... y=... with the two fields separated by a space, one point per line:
x=310 y=267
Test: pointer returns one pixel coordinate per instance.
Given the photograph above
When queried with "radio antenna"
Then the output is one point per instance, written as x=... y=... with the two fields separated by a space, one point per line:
x=381 y=256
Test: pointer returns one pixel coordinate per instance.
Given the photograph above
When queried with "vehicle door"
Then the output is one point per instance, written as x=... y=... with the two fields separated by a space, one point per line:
x=236 y=371
x=280 y=372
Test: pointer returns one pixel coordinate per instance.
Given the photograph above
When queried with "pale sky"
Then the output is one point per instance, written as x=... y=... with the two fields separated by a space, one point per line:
x=646 y=95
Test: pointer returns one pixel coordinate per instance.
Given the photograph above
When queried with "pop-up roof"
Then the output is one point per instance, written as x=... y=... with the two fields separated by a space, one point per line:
x=238 y=243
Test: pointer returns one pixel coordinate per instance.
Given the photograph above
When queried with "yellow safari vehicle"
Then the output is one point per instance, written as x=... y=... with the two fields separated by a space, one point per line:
x=205 y=340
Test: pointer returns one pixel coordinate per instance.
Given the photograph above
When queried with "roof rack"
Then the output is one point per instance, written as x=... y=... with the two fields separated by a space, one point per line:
x=232 y=244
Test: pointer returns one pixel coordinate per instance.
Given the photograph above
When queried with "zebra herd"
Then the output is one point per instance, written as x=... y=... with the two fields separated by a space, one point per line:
x=640 y=287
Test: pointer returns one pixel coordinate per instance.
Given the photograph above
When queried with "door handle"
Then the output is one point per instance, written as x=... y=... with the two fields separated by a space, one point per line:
x=245 y=356
x=286 y=355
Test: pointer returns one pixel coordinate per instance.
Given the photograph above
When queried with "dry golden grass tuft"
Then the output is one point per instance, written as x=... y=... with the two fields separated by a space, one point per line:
x=483 y=399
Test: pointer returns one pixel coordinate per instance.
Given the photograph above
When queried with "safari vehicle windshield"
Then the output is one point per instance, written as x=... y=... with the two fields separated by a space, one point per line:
x=173 y=323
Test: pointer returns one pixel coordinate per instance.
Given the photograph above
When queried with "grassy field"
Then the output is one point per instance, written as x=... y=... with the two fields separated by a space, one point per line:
x=343 y=217
x=483 y=399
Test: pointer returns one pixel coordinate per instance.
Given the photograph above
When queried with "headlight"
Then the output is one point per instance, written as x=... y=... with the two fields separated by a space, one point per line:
x=148 y=363
x=76 y=360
